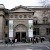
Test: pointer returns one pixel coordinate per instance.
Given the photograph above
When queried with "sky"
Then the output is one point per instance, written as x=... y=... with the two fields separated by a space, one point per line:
x=12 y=3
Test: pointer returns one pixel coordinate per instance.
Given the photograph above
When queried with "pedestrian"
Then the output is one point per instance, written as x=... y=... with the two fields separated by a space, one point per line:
x=41 y=40
x=6 y=42
x=9 y=40
x=36 y=39
x=13 y=41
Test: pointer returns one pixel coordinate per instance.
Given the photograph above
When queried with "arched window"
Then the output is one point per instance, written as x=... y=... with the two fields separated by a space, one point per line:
x=35 y=20
x=45 y=20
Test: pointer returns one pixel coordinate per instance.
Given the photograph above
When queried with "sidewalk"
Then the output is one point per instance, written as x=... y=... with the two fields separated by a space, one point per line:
x=27 y=44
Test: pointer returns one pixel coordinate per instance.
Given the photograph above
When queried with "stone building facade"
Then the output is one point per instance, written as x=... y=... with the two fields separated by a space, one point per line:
x=20 y=16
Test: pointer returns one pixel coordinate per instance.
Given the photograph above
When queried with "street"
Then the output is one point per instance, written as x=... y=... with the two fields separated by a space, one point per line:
x=26 y=47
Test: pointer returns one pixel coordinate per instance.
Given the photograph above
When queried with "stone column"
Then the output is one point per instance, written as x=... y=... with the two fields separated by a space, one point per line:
x=1 y=27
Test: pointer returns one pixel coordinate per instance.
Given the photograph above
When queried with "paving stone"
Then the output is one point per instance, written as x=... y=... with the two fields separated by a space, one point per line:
x=37 y=49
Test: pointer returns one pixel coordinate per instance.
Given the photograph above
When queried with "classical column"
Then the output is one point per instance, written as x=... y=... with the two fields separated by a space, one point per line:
x=1 y=27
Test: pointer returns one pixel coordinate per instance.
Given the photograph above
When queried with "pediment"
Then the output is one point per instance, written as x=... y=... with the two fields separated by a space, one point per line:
x=20 y=9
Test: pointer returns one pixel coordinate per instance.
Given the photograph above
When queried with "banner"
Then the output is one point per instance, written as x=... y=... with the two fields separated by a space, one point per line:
x=10 y=28
x=30 y=28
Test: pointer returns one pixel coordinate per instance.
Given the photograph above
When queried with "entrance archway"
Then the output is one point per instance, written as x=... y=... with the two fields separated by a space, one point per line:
x=20 y=32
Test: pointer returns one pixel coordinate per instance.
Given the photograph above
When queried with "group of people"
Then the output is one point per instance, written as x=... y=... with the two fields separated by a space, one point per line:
x=36 y=40
x=10 y=41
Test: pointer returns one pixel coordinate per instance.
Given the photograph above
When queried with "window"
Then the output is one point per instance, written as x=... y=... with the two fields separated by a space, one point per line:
x=20 y=16
x=33 y=13
x=36 y=31
x=25 y=16
x=35 y=20
x=11 y=16
x=47 y=31
x=29 y=16
x=16 y=16
x=45 y=20
x=5 y=35
x=6 y=22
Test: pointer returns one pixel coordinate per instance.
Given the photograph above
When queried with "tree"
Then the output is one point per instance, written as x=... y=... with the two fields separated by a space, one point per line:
x=45 y=4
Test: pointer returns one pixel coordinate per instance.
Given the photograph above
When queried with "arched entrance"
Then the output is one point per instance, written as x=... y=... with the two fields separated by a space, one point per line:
x=20 y=32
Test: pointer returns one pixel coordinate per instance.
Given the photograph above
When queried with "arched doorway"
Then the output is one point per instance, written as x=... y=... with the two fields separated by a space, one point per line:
x=20 y=32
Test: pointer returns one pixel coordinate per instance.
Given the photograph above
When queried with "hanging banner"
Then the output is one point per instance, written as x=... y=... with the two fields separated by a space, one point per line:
x=10 y=28
x=30 y=28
